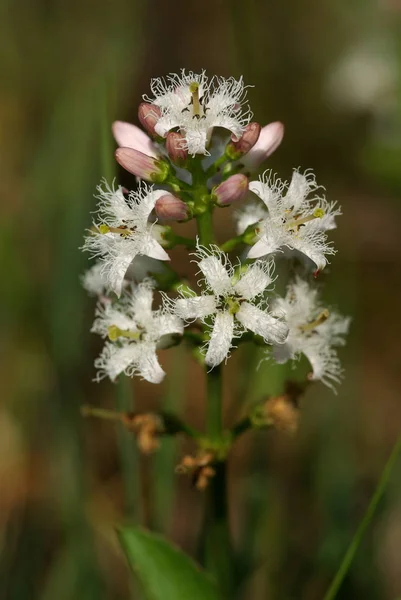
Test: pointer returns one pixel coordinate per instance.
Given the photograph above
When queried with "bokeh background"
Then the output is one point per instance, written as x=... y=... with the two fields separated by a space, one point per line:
x=331 y=71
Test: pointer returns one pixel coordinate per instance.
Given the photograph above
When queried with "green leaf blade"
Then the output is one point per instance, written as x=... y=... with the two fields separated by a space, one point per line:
x=164 y=571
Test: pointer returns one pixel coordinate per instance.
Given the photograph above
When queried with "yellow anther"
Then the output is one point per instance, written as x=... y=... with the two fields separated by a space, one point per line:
x=193 y=87
x=104 y=228
x=318 y=213
x=321 y=318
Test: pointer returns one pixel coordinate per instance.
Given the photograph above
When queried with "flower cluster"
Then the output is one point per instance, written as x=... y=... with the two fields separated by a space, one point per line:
x=193 y=168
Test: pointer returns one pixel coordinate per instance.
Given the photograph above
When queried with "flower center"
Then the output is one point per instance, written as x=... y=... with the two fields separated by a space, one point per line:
x=321 y=318
x=318 y=213
x=123 y=230
x=115 y=332
x=230 y=304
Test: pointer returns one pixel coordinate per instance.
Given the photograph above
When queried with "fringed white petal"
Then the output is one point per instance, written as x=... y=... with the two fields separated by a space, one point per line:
x=141 y=301
x=153 y=249
x=220 y=339
x=115 y=360
x=147 y=364
x=196 y=307
x=255 y=280
x=263 y=247
x=166 y=324
x=216 y=275
x=115 y=268
x=262 y=323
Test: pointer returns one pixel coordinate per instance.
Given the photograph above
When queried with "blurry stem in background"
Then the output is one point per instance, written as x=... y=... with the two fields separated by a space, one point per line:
x=370 y=511
x=127 y=449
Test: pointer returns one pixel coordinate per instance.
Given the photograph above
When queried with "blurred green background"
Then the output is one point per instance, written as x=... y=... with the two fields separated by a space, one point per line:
x=331 y=71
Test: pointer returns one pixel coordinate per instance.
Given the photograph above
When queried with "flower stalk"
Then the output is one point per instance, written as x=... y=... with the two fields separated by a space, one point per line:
x=144 y=305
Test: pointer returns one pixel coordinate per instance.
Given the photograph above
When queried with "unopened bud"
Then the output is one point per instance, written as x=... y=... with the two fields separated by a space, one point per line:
x=131 y=136
x=175 y=146
x=269 y=139
x=236 y=149
x=233 y=189
x=143 y=166
x=148 y=115
x=170 y=208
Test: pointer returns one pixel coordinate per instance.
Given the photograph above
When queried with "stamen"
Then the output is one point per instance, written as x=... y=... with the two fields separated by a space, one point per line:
x=318 y=213
x=196 y=107
x=321 y=318
x=120 y=230
x=115 y=332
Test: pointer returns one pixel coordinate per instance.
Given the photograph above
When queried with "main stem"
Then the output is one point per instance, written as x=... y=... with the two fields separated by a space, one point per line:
x=218 y=552
x=217 y=542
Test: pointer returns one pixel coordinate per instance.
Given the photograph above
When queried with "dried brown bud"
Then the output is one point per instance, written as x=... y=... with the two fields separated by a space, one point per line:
x=148 y=428
x=202 y=477
x=175 y=146
x=281 y=413
x=148 y=115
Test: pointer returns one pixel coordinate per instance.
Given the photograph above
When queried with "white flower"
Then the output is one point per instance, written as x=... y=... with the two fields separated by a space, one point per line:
x=123 y=231
x=93 y=281
x=194 y=105
x=313 y=331
x=294 y=220
x=135 y=331
x=230 y=303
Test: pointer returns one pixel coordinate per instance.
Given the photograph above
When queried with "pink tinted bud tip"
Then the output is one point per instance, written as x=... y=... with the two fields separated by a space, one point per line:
x=316 y=273
x=142 y=165
x=247 y=140
x=235 y=188
x=269 y=140
x=148 y=115
x=170 y=208
x=175 y=146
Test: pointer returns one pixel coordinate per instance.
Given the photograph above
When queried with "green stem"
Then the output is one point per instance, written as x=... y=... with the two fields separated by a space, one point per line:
x=218 y=550
x=241 y=427
x=214 y=425
x=232 y=243
x=370 y=511
x=204 y=222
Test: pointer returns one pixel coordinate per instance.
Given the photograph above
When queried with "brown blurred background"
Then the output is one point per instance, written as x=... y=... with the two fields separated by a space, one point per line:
x=331 y=71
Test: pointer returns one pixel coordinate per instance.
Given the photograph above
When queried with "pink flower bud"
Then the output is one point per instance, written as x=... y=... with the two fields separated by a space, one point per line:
x=269 y=139
x=130 y=136
x=170 y=208
x=175 y=146
x=233 y=189
x=148 y=115
x=142 y=165
x=237 y=148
